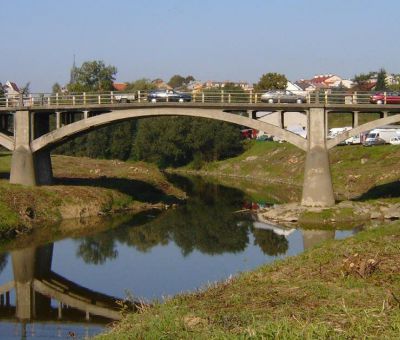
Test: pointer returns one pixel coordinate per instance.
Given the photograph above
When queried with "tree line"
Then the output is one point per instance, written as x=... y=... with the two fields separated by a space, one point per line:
x=165 y=141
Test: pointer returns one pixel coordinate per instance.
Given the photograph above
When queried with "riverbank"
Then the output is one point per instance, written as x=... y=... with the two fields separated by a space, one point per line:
x=366 y=181
x=358 y=172
x=83 y=187
x=342 y=289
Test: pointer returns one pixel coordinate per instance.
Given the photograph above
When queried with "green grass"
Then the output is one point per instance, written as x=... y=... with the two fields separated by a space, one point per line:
x=356 y=170
x=9 y=219
x=316 y=295
x=84 y=187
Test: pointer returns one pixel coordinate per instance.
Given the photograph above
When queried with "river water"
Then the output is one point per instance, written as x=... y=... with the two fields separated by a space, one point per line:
x=63 y=281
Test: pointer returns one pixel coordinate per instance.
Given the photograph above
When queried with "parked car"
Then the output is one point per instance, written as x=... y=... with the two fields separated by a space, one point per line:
x=376 y=141
x=124 y=97
x=395 y=140
x=391 y=98
x=168 y=96
x=282 y=96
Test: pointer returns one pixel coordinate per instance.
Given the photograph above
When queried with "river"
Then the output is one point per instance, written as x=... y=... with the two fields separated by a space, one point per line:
x=67 y=281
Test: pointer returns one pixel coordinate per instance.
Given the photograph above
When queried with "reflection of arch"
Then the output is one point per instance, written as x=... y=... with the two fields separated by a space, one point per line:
x=35 y=285
x=362 y=128
x=314 y=237
x=6 y=141
x=85 y=125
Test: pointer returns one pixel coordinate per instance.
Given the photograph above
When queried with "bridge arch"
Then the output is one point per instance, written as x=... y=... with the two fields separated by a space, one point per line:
x=6 y=141
x=362 y=128
x=56 y=136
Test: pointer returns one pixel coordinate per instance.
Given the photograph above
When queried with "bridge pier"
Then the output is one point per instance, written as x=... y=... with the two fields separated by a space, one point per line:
x=30 y=168
x=22 y=163
x=317 y=186
x=29 y=264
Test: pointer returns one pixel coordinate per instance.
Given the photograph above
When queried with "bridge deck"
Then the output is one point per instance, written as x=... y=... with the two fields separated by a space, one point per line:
x=218 y=106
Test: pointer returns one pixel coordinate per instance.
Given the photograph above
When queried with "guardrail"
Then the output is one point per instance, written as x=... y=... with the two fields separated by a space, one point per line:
x=207 y=96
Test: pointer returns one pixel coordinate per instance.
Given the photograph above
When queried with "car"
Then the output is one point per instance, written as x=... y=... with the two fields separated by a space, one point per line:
x=282 y=96
x=376 y=141
x=124 y=97
x=395 y=140
x=168 y=96
x=385 y=98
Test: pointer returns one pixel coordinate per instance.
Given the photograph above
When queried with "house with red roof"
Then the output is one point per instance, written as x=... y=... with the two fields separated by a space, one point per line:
x=120 y=87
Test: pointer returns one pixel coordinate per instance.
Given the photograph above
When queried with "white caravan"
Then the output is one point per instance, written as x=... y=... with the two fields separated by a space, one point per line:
x=381 y=136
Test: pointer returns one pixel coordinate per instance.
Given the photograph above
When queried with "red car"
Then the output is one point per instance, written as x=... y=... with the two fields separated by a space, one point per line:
x=390 y=98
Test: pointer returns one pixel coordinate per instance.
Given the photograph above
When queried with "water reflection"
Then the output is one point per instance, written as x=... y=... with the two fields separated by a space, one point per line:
x=35 y=284
x=204 y=240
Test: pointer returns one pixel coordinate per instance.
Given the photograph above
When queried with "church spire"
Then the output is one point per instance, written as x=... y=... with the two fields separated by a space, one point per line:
x=72 y=79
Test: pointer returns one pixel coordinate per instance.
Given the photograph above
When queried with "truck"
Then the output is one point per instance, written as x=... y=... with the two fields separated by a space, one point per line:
x=124 y=97
x=381 y=136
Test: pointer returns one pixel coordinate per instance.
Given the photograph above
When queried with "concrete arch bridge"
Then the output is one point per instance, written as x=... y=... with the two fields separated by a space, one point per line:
x=25 y=130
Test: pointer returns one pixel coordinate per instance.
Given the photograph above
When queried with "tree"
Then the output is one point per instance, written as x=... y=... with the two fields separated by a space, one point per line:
x=177 y=81
x=93 y=76
x=177 y=141
x=363 y=81
x=56 y=88
x=381 y=81
x=271 y=81
x=140 y=85
x=25 y=89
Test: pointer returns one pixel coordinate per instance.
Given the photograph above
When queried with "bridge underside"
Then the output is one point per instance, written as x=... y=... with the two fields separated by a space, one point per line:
x=31 y=163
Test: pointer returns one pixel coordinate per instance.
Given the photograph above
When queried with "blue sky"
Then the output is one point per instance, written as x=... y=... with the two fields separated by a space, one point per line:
x=209 y=39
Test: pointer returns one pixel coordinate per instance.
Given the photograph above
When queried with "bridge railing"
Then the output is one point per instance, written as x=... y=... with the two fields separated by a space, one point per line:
x=325 y=96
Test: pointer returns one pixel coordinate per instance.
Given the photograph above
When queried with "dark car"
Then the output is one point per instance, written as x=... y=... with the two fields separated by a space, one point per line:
x=385 y=98
x=283 y=96
x=168 y=96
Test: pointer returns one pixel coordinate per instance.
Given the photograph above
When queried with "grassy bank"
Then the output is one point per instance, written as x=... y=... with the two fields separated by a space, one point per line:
x=358 y=172
x=83 y=187
x=343 y=289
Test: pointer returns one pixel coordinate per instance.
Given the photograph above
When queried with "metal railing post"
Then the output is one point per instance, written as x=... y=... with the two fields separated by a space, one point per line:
x=84 y=98
x=112 y=97
x=222 y=96
x=384 y=97
x=73 y=100
x=138 y=96
x=251 y=96
x=326 y=96
x=99 y=99
x=57 y=98
x=202 y=97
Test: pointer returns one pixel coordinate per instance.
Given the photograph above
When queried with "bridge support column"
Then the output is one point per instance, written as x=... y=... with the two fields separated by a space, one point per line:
x=43 y=167
x=28 y=168
x=42 y=159
x=355 y=119
x=22 y=163
x=317 y=186
x=30 y=264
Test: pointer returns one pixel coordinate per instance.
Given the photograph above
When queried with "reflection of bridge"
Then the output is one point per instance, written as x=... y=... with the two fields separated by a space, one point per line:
x=32 y=137
x=310 y=237
x=35 y=284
